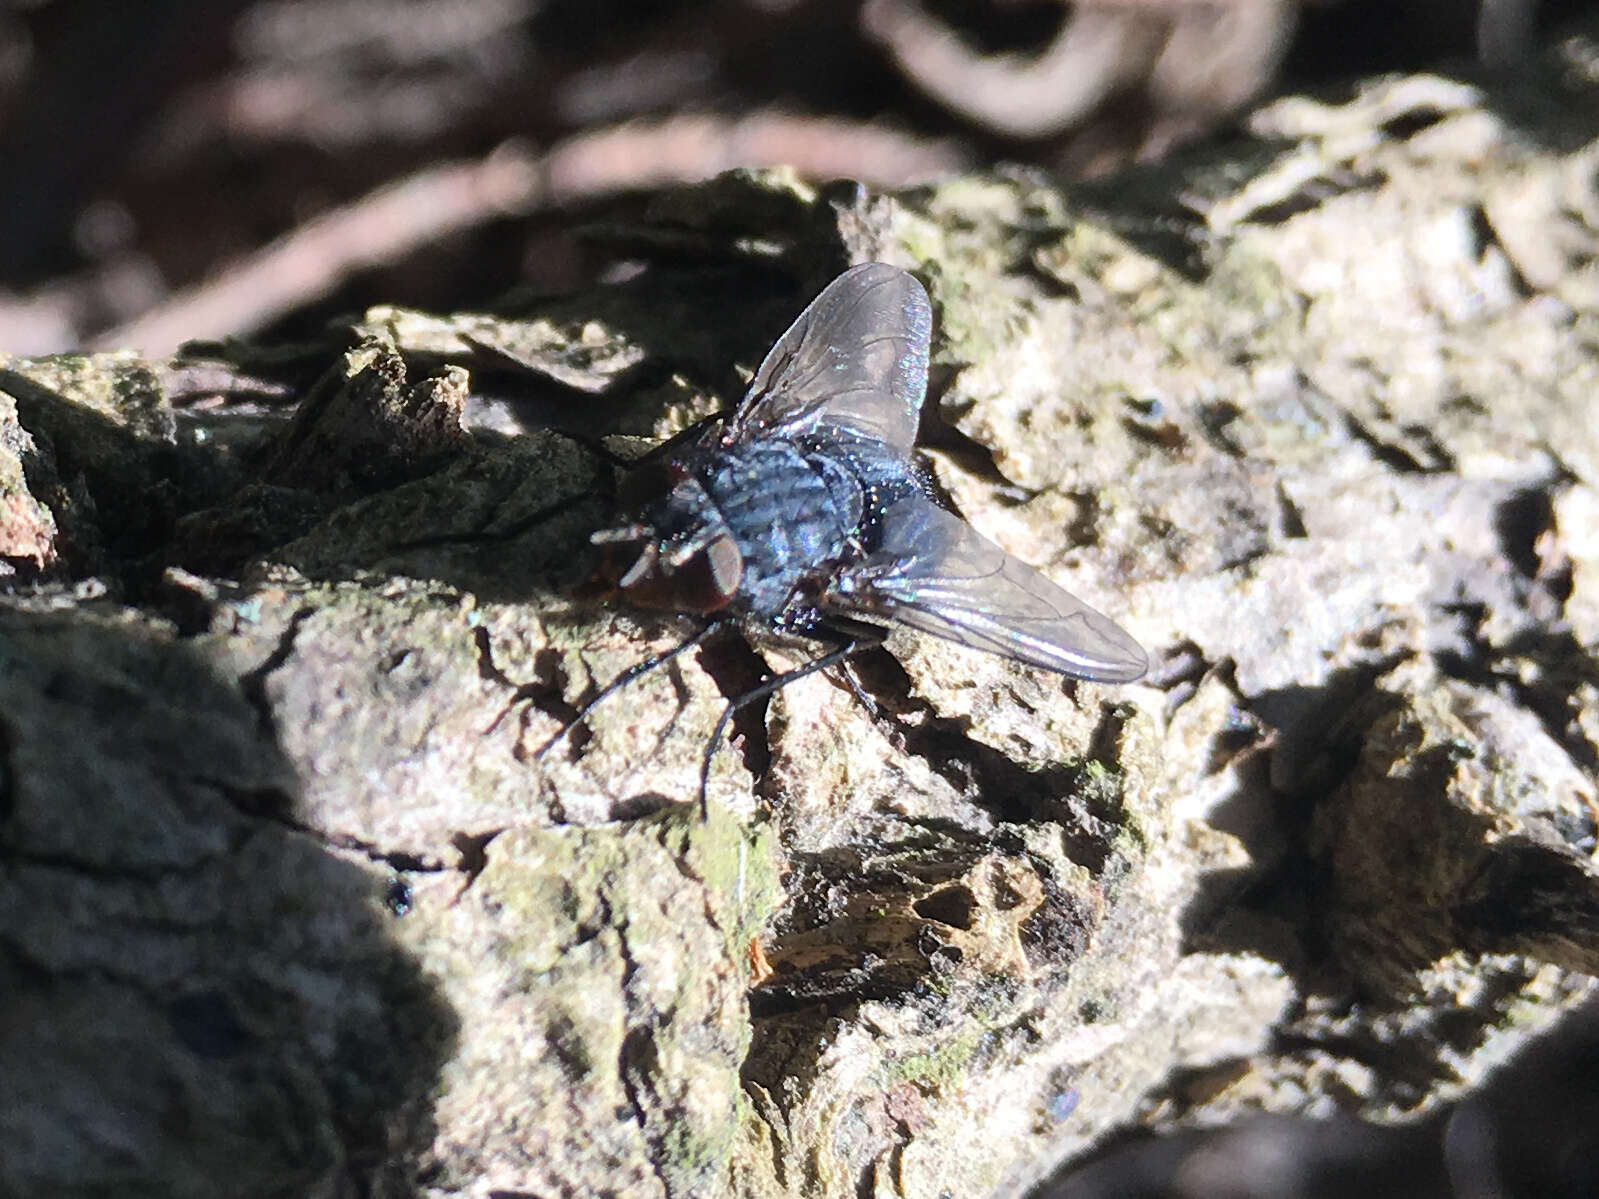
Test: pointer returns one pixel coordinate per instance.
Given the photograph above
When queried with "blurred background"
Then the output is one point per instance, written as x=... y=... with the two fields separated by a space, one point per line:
x=194 y=168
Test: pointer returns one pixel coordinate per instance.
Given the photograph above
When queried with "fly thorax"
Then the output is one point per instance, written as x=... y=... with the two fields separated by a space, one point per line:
x=789 y=514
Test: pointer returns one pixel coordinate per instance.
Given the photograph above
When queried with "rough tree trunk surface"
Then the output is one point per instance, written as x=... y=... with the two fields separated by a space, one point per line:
x=292 y=908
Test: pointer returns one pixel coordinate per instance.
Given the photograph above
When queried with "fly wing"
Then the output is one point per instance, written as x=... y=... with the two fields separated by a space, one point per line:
x=936 y=573
x=855 y=360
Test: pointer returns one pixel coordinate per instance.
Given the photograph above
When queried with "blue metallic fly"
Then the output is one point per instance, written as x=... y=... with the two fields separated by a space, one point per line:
x=804 y=512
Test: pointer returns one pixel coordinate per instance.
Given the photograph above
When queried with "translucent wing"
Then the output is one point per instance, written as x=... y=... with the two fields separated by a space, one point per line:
x=936 y=573
x=855 y=360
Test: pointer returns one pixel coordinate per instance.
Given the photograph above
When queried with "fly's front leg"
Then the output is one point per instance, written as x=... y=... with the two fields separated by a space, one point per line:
x=636 y=671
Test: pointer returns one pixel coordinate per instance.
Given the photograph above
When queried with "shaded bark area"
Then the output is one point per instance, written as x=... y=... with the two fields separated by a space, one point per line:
x=287 y=624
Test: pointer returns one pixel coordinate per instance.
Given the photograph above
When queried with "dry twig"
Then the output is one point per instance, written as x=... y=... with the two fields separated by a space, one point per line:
x=310 y=261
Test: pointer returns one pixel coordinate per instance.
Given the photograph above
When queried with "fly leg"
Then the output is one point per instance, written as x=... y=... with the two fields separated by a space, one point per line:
x=889 y=720
x=854 y=642
x=635 y=671
x=663 y=449
x=508 y=360
x=852 y=679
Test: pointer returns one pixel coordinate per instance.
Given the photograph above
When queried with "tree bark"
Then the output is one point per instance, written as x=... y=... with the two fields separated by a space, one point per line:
x=294 y=905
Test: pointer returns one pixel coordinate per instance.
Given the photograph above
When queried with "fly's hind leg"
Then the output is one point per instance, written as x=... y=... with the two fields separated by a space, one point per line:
x=848 y=640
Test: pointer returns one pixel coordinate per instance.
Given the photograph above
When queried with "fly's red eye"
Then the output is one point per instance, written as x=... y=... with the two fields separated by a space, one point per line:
x=703 y=583
x=707 y=581
x=710 y=579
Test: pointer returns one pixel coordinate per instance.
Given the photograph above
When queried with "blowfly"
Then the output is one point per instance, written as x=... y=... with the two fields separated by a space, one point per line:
x=804 y=512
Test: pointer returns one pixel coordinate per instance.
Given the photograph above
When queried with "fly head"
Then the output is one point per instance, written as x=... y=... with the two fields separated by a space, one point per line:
x=677 y=555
